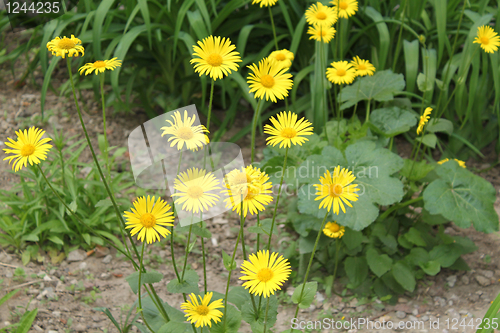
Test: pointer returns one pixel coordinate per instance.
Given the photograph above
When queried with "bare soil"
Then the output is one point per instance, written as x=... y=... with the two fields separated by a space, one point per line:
x=456 y=296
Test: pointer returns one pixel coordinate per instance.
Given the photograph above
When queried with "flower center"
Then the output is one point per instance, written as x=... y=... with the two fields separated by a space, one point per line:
x=66 y=43
x=202 y=310
x=288 y=132
x=148 y=220
x=185 y=133
x=485 y=40
x=214 y=60
x=242 y=178
x=280 y=57
x=336 y=190
x=334 y=227
x=321 y=16
x=323 y=33
x=252 y=192
x=99 y=64
x=27 y=150
x=194 y=192
x=265 y=274
x=361 y=67
x=267 y=81
x=343 y=5
x=340 y=72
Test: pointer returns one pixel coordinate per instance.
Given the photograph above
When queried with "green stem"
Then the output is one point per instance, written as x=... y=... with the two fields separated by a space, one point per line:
x=398 y=45
x=210 y=104
x=274 y=29
x=310 y=263
x=256 y=117
x=139 y=288
x=172 y=231
x=244 y=251
x=82 y=223
x=229 y=276
x=277 y=202
x=62 y=169
x=356 y=105
x=105 y=152
x=258 y=235
x=385 y=214
x=187 y=250
x=265 y=319
x=108 y=190
x=391 y=143
x=368 y=110
x=323 y=97
x=204 y=264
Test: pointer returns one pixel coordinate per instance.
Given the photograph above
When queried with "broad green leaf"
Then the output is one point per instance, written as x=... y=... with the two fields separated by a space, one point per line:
x=187 y=286
x=431 y=267
x=418 y=169
x=238 y=296
x=153 y=316
x=233 y=321
x=429 y=140
x=227 y=261
x=146 y=278
x=379 y=264
x=462 y=197
x=356 y=269
x=175 y=327
x=393 y=121
x=315 y=166
x=440 y=125
x=413 y=236
x=403 y=275
x=8 y=296
x=352 y=238
x=256 y=320
x=307 y=298
x=104 y=203
x=380 y=87
x=417 y=256
x=26 y=321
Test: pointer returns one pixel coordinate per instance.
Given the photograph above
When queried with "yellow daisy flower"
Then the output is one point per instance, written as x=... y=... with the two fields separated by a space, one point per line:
x=362 y=67
x=319 y=14
x=265 y=274
x=333 y=230
x=321 y=34
x=216 y=57
x=269 y=80
x=461 y=163
x=100 y=66
x=341 y=72
x=287 y=130
x=283 y=57
x=183 y=132
x=266 y=3
x=423 y=120
x=345 y=8
x=250 y=183
x=193 y=189
x=203 y=312
x=488 y=38
x=149 y=219
x=62 y=46
x=335 y=190
x=29 y=147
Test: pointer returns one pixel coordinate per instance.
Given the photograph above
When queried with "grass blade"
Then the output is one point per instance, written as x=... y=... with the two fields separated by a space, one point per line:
x=411 y=63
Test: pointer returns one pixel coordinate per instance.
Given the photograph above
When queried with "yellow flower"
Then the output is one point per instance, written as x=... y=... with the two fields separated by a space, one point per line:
x=150 y=219
x=29 y=147
x=423 y=120
x=335 y=190
x=321 y=34
x=269 y=79
x=333 y=230
x=183 y=132
x=283 y=57
x=341 y=72
x=193 y=189
x=345 y=8
x=362 y=67
x=287 y=130
x=264 y=274
x=62 y=46
x=488 y=38
x=266 y=3
x=461 y=163
x=216 y=58
x=319 y=14
x=100 y=66
x=203 y=312
x=251 y=184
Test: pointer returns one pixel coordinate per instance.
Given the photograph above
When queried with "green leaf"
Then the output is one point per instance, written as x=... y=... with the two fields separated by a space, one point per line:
x=153 y=316
x=8 y=296
x=380 y=87
x=146 y=278
x=307 y=298
x=352 y=238
x=238 y=296
x=379 y=264
x=233 y=322
x=462 y=197
x=423 y=84
x=187 y=286
x=393 y=121
x=418 y=169
x=431 y=267
x=110 y=316
x=55 y=239
x=429 y=140
x=440 y=125
x=404 y=276
x=227 y=261
x=27 y=321
x=356 y=269
x=26 y=257
x=104 y=203
x=413 y=236
x=417 y=256
x=175 y=327
x=256 y=320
